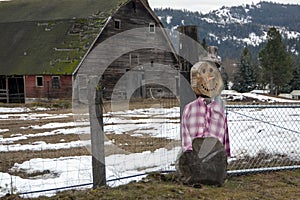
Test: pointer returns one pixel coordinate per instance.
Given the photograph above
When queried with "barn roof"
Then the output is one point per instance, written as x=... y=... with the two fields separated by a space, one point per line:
x=295 y=92
x=49 y=36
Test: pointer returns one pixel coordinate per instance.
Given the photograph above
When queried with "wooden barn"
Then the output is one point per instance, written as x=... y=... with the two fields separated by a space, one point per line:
x=45 y=43
x=145 y=63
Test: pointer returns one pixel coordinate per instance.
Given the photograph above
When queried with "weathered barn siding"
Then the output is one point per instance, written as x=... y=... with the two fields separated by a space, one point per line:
x=144 y=73
x=188 y=48
x=48 y=91
x=138 y=46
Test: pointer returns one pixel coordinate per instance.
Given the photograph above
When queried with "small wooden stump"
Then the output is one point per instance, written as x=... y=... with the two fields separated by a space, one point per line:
x=206 y=164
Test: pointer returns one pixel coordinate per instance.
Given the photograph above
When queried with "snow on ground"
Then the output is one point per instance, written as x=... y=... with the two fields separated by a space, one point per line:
x=16 y=137
x=41 y=146
x=55 y=125
x=21 y=109
x=155 y=122
x=225 y=17
x=169 y=19
x=252 y=131
x=33 y=116
x=69 y=171
x=4 y=130
x=262 y=98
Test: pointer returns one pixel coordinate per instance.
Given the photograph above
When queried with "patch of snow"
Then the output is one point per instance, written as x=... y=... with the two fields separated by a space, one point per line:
x=34 y=116
x=213 y=36
x=13 y=110
x=57 y=125
x=169 y=19
x=21 y=109
x=77 y=131
x=208 y=20
x=254 y=40
x=292 y=34
x=285 y=33
x=263 y=98
x=4 y=130
x=69 y=171
x=41 y=145
x=225 y=17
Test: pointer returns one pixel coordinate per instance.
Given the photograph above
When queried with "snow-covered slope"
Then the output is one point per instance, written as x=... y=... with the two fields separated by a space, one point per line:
x=232 y=28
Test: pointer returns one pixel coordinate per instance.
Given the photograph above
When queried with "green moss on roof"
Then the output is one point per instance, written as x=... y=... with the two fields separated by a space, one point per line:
x=49 y=36
x=32 y=10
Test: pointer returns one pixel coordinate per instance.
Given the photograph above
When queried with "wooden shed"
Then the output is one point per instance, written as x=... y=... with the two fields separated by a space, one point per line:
x=296 y=94
x=44 y=43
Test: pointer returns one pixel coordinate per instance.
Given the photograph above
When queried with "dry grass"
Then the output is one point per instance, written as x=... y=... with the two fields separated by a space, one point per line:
x=264 y=186
x=262 y=160
x=140 y=103
x=139 y=144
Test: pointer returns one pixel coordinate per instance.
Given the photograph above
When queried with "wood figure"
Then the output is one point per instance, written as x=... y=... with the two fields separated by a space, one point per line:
x=205 y=140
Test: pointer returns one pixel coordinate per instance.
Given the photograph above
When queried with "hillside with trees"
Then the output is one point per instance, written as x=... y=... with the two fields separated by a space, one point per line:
x=242 y=34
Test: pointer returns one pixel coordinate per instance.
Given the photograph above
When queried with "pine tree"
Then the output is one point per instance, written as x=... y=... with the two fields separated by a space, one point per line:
x=276 y=62
x=244 y=80
x=204 y=44
x=295 y=83
x=224 y=77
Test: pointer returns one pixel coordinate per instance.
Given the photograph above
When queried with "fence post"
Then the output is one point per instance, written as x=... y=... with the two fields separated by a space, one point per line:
x=7 y=90
x=97 y=133
x=186 y=93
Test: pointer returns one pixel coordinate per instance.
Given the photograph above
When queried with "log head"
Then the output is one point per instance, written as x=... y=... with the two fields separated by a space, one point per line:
x=206 y=79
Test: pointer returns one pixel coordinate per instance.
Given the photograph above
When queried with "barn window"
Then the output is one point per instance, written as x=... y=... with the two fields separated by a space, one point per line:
x=134 y=60
x=39 y=81
x=117 y=24
x=55 y=82
x=152 y=28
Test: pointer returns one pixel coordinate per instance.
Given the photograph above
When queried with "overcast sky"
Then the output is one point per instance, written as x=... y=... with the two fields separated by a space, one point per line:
x=205 y=6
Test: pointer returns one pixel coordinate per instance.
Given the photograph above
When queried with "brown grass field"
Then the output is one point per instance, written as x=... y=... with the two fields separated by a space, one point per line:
x=283 y=185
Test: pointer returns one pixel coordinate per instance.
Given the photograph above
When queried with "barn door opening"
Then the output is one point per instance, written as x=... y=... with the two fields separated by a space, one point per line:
x=16 y=89
x=3 y=89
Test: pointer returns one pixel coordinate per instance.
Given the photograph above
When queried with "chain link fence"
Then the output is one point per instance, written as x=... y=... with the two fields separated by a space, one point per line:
x=264 y=137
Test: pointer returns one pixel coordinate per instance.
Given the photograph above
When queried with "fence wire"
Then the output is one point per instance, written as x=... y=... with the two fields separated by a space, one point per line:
x=264 y=137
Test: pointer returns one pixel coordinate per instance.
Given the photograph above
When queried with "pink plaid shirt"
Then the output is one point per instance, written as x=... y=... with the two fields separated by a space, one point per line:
x=201 y=120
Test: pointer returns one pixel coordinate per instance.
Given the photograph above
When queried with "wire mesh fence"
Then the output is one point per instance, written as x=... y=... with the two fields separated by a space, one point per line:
x=40 y=150
x=138 y=141
x=264 y=137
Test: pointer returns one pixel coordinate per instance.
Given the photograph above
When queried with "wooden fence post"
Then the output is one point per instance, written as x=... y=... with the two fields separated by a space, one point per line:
x=97 y=133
